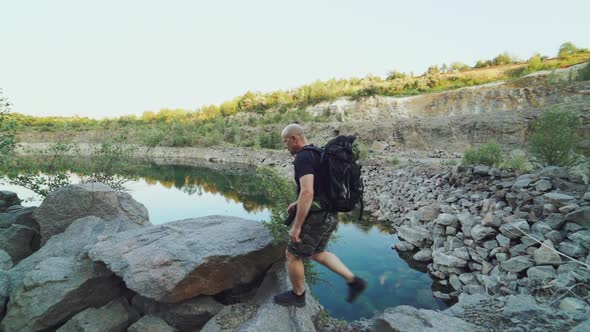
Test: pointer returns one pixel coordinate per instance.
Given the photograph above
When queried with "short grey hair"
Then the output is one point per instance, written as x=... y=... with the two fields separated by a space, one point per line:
x=293 y=129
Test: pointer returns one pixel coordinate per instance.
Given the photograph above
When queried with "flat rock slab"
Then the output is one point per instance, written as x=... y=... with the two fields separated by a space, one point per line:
x=186 y=258
x=261 y=314
x=406 y=318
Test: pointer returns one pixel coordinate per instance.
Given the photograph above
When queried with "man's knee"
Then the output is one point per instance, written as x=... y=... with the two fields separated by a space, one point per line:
x=319 y=257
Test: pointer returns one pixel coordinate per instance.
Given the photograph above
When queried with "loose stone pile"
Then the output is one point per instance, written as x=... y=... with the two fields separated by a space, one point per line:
x=489 y=231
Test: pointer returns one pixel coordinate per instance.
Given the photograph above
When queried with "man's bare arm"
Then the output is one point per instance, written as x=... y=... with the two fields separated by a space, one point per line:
x=304 y=200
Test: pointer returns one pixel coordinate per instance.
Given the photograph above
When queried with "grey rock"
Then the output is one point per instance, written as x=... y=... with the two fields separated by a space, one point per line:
x=450 y=230
x=446 y=219
x=462 y=253
x=58 y=288
x=515 y=229
x=65 y=205
x=522 y=306
x=542 y=273
x=491 y=220
x=554 y=236
x=475 y=266
x=4 y=290
x=440 y=258
x=424 y=255
x=18 y=241
x=572 y=249
x=201 y=250
x=557 y=199
x=502 y=256
x=115 y=316
x=455 y=282
x=427 y=213
x=503 y=241
x=553 y=172
x=467 y=278
x=261 y=314
x=474 y=289
x=518 y=250
x=517 y=264
x=549 y=209
x=532 y=239
x=555 y=221
x=404 y=246
x=442 y=296
x=188 y=315
x=71 y=243
x=573 y=304
x=22 y=216
x=406 y=318
x=563 y=281
x=480 y=233
x=5 y=260
x=582 y=327
x=568 y=208
x=572 y=227
x=546 y=254
x=453 y=243
x=467 y=221
x=582 y=238
x=543 y=185
x=541 y=228
x=489 y=245
x=150 y=323
x=416 y=235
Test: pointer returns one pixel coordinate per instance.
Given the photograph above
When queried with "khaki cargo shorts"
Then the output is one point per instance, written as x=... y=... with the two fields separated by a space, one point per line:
x=315 y=234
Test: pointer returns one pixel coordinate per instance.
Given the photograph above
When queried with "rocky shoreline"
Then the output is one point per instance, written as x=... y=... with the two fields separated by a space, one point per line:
x=497 y=238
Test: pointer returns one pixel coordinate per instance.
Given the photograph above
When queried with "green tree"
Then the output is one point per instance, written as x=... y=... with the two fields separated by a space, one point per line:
x=503 y=59
x=567 y=49
x=553 y=139
x=394 y=74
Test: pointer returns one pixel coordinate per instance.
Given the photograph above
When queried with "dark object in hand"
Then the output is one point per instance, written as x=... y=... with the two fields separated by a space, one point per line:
x=291 y=216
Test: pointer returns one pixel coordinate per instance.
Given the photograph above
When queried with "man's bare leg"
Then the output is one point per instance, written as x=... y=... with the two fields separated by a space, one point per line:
x=296 y=273
x=334 y=263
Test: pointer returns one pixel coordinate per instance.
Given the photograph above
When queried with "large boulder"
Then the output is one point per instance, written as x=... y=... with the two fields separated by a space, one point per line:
x=57 y=289
x=58 y=280
x=19 y=241
x=261 y=314
x=179 y=260
x=188 y=315
x=71 y=243
x=406 y=318
x=65 y=205
x=115 y=316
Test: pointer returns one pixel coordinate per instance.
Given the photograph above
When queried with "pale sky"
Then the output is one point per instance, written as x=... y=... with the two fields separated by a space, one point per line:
x=112 y=58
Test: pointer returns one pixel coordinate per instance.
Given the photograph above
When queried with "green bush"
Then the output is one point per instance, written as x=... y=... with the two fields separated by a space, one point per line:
x=489 y=154
x=270 y=140
x=553 y=139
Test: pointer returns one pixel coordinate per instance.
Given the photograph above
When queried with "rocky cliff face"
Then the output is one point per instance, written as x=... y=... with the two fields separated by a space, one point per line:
x=455 y=120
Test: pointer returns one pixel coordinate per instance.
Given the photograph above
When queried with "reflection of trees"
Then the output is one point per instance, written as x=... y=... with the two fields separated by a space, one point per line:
x=239 y=187
x=365 y=223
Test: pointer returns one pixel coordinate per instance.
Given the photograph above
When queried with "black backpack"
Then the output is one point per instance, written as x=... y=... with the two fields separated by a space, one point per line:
x=341 y=182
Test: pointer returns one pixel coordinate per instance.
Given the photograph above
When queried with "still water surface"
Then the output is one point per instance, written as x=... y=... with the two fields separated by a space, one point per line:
x=179 y=192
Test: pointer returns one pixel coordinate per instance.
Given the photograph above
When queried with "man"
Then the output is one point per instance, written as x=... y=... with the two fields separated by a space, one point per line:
x=312 y=227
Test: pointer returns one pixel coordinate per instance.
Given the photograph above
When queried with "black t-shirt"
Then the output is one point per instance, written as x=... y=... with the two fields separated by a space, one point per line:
x=307 y=161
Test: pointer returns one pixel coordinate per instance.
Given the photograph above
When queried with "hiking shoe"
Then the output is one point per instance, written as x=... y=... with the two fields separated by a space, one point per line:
x=355 y=289
x=289 y=298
